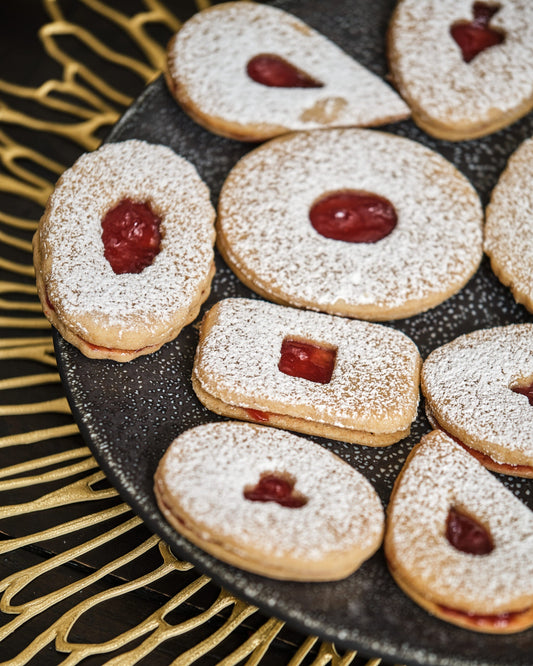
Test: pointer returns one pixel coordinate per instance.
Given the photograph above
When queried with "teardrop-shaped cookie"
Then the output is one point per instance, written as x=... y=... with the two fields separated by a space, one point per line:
x=250 y=72
x=487 y=589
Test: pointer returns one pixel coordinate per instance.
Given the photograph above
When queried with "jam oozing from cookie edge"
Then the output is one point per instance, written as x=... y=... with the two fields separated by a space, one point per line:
x=487 y=461
x=273 y=71
x=466 y=534
x=497 y=620
x=274 y=487
x=524 y=390
x=258 y=415
x=476 y=35
x=131 y=236
x=353 y=216
x=307 y=361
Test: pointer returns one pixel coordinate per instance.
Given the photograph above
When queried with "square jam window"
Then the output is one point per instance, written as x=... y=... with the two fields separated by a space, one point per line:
x=307 y=360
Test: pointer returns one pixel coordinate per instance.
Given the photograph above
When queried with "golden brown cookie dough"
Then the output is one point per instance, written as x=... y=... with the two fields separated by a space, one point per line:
x=122 y=316
x=207 y=74
x=265 y=234
x=509 y=226
x=473 y=571
x=450 y=98
x=206 y=480
x=468 y=386
x=371 y=397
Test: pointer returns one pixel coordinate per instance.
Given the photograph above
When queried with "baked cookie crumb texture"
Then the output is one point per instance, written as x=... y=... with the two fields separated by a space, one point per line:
x=319 y=537
x=455 y=95
x=160 y=216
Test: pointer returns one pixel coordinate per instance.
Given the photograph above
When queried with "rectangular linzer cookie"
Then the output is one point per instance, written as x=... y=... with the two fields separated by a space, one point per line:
x=306 y=371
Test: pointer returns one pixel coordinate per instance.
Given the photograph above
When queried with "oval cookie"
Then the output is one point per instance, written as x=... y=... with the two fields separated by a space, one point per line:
x=476 y=389
x=267 y=237
x=269 y=502
x=509 y=226
x=123 y=315
x=465 y=68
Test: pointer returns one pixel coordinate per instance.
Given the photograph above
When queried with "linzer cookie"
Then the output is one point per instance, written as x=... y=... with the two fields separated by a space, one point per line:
x=458 y=542
x=478 y=388
x=306 y=371
x=509 y=226
x=464 y=67
x=250 y=72
x=353 y=222
x=124 y=251
x=269 y=502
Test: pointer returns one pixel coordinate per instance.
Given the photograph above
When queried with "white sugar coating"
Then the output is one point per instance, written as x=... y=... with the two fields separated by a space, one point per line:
x=434 y=74
x=80 y=281
x=374 y=385
x=207 y=468
x=509 y=227
x=468 y=380
x=441 y=475
x=209 y=56
x=264 y=218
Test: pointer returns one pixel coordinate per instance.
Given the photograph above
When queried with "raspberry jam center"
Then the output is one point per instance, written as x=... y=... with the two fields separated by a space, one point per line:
x=131 y=236
x=353 y=216
x=275 y=72
x=279 y=488
x=525 y=390
x=308 y=361
x=475 y=36
x=466 y=534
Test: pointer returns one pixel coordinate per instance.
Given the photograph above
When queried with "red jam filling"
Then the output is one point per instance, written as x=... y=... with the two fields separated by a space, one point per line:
x=273 y=487
x=524 y=390
x=499 y=620
x=466 y=534
x=258 y=415
x=308 y=361
x=475 y=36
x=273 y=71
x=131 y=236
x=353 y=216
x=487 y=461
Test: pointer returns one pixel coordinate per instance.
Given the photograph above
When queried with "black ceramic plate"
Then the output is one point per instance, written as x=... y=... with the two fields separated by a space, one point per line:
x=129 y=413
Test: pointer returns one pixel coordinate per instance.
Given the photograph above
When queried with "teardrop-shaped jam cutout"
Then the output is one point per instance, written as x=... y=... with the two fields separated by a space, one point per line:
x=131 y=236
x=353 y=216
x=466 y=534
x=525 y=390
x=475 y=36
x=307 y=360
x=275 y=72
x=273 y=487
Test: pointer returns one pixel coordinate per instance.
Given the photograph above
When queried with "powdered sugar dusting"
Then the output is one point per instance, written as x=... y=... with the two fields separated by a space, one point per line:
x=80 y=281
x=430 y=69
x=217 y=461
x=439 y=475
x=209 y=56
x=467 y=383
x=374 y=386
x=264 y=218
x=509 y=228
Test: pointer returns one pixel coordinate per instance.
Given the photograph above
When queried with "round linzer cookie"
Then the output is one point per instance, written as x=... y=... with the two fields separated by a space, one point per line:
x=458 y=542
x=353 y=222
x=306 y=371
x=509 y=226
x=124 y=251
x=465 y=68
x=479 y=389
x=250 y=72
x=290 y=508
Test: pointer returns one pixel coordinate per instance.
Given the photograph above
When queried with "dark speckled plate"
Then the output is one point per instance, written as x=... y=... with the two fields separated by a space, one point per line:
x=129 y=413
